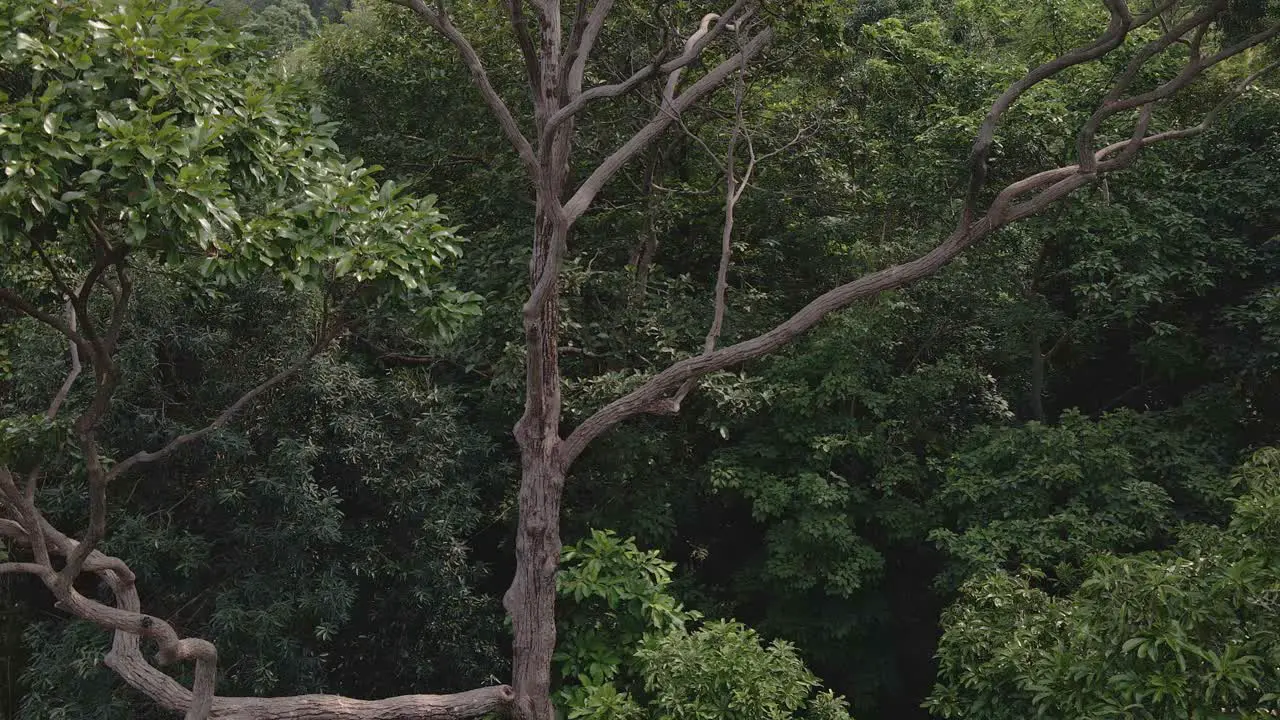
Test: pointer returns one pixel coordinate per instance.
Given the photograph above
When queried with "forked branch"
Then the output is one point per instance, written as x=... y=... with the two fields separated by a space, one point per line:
x=587 y=191
x=661 y=394
x=659 y=65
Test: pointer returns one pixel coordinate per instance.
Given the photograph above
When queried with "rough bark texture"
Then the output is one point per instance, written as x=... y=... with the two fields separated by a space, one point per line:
x=555 y=74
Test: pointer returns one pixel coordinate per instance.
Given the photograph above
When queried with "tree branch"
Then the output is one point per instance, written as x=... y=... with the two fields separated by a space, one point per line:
x=127 y=660
x=693 y=50
x=72 y=374
x=142 y=457
x=656 y=395
x=520 y=26
x=1112 y=38
x=586 y=30
x=590 y=187
x=732 y=194
x=17 y=303
x=439 y=21
x=1194 y=68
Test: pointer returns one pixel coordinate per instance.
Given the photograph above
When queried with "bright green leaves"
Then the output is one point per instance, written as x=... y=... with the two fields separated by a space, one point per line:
x=1186 y=634
x=615 y=594
x=725 y=671
x=100 y=125
x=627 y=649
x=26 y=439
x=145 y=119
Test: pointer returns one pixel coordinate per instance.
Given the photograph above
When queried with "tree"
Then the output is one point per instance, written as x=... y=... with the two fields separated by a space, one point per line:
x=630 y=650
x=323 y=541
x=139 y=140
x=556 y=68
x=1187 y=45
x=1190 y=633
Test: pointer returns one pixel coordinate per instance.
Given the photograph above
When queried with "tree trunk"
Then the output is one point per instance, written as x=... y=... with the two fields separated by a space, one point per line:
x=530 y=600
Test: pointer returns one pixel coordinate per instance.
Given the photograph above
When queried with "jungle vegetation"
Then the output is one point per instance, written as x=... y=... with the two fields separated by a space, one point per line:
x=618 y=360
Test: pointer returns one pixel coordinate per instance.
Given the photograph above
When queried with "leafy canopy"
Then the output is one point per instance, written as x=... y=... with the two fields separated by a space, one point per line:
x=1190 y=633
x=628 y=649
x=143 y=122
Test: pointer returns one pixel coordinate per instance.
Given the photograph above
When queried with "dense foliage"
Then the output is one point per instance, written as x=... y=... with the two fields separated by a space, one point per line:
x=1033 y=486
x=1190 y=632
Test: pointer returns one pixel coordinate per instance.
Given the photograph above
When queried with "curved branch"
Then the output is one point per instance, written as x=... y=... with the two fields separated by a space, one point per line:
x=439 y=21
x=656 y=395
x=126 y=659
x=693 y=50
x=144 y=456
x=601 y=92
x=1195 y=67
x=520 y=26
x=1113 y=37
x=74 y=351
x=17 y=303
x=586 y=30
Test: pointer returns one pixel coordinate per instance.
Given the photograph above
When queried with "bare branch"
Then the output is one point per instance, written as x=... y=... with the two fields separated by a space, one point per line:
x=108 y=256
x=706 y=35
x=586 y=30
x=590 y=187
x=693 y=50
x=14 y=568
x=661 y=393
x=1193 y=69
x=31 y=517
x=520 y=26
x=694 y=45
x=142 y=457
x=72 y=374
x=16 y=302
x=1111 y=39
x=45 y=260
x=122 y=293
x=601 y=92
x=440 y=22
x=732 y=194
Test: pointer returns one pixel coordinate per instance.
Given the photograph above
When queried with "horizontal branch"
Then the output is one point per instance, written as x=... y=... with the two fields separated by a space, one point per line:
x=21 y=305
x=470 y=704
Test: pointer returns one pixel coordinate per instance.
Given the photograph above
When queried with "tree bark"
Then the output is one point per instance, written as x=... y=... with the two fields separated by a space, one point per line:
x=530 y=600
x=555 y=82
